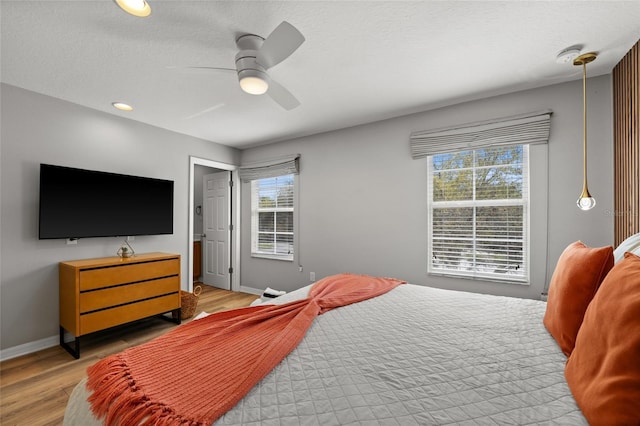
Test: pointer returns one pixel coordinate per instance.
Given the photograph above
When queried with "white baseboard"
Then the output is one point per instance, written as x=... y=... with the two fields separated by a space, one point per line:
x=27 y=348
x=251 y=290
x=52 y=341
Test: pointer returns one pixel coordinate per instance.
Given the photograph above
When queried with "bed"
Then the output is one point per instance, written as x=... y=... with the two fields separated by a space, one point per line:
x=415 y=355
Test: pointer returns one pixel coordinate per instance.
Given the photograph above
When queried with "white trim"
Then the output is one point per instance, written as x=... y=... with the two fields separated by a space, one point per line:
x=479 y=277
x=285 y=257
x=29 y=347
x=235 y=234
x=251 y=290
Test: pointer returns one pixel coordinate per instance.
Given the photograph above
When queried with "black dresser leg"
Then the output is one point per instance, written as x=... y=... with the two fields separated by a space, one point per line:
x=75 y=351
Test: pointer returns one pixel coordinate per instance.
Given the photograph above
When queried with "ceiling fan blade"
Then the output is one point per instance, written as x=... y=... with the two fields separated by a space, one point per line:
x=200 y=70
x=282 y=96
x=204 y=111
x=280 y=44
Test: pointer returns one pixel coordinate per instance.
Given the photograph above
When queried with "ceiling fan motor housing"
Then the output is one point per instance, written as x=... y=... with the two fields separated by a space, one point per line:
x=246 y=64
x=248 y=46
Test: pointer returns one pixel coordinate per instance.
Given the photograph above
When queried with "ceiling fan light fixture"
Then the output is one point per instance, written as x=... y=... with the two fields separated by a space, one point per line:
x=254 y=85
x=253 y=82
x=138 y=8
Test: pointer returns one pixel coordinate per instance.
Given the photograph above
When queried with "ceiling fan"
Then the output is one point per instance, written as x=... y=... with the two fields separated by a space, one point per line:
x=257 y=54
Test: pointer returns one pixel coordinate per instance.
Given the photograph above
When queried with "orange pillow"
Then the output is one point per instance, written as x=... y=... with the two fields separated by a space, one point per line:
x=603 y=372
x=577 y=276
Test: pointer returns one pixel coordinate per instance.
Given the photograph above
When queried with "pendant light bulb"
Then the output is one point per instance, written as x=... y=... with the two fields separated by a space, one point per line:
x=586 y=203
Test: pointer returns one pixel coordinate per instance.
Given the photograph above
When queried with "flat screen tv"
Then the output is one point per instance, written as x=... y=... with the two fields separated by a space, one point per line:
x=78 y=203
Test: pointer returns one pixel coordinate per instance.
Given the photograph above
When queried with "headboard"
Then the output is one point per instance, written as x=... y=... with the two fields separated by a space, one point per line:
x=631 y=244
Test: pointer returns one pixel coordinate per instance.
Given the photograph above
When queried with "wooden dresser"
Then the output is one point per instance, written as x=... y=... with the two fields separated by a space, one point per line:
x=96 y=294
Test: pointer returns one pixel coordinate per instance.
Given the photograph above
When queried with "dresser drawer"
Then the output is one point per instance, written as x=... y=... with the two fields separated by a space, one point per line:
x=114 y=296
x=111 y=276
x=123 y=314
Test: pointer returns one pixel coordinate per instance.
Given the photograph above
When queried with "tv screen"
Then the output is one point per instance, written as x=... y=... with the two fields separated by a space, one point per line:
x=77 y=203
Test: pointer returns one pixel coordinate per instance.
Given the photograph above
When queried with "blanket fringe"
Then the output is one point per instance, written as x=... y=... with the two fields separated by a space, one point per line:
x=111 y=376
x=121 y=402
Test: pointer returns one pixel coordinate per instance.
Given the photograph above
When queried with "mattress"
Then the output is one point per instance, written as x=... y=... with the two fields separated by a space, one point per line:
x=416 y=355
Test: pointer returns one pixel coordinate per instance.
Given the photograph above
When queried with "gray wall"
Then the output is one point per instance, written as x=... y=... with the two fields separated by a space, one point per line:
x=362 y=198
x=37 y=129
x=363 y=206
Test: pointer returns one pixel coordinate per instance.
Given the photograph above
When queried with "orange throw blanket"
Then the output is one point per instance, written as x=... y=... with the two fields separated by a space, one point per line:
x=199 y=371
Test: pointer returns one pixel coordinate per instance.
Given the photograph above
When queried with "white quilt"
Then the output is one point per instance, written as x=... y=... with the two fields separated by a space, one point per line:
x=414 y=356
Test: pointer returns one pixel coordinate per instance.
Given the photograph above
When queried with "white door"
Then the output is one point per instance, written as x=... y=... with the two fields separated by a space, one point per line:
x=216 y=213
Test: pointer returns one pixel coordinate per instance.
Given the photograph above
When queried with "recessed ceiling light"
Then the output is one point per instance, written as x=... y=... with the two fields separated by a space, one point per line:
x=122 y=106
x=135 y=7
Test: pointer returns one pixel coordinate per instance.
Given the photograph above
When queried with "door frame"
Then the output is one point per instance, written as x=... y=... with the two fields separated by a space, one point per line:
x=234 y=237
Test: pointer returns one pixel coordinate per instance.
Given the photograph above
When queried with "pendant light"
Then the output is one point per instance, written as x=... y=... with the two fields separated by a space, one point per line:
x=586 y=201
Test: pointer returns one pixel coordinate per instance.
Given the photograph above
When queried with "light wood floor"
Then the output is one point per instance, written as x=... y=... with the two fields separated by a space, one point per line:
x=34 y=388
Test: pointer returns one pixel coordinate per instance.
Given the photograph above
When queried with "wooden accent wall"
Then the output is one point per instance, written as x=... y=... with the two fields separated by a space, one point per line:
x=626 y=139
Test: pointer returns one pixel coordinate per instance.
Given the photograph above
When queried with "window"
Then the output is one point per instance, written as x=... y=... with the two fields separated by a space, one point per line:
x=478 y=208
x=272 y=208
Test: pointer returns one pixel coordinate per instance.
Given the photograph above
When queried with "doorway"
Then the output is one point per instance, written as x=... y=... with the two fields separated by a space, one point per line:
x=224 y=258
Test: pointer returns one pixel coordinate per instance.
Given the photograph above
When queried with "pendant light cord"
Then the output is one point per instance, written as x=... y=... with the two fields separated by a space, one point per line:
x=584 y=126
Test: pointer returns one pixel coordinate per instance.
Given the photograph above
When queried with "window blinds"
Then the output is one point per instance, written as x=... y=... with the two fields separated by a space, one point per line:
x=478 y=206
x=272 y=201
x=270 y=168
x=530 y=128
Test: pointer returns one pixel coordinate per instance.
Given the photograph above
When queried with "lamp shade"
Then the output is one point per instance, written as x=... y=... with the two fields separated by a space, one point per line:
x=254 y=82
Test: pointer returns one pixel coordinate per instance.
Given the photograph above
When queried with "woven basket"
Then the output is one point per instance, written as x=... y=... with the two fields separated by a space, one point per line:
x=189 y=302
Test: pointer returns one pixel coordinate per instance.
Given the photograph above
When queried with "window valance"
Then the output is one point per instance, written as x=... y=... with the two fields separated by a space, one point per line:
x=269 y=168
x=530 y=128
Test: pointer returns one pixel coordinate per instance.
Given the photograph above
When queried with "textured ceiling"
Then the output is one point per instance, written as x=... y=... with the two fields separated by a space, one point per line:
x=362 y=61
